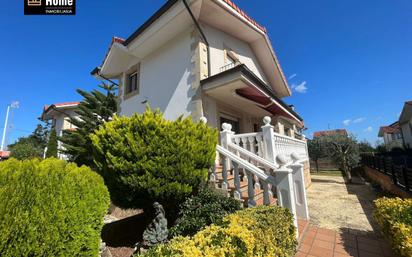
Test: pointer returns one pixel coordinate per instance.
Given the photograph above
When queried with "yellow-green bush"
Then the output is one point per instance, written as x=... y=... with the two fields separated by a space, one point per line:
x=50 y=208
x=394 y=215
x=261 y=231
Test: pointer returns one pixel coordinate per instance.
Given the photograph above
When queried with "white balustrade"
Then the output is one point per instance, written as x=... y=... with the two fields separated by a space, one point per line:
x=268 y=161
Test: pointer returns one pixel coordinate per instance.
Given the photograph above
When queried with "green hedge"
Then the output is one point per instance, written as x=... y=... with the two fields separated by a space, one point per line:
x=50 y=208
x=146 y=158
x=394 y=215
x=206 y=208
x=260 y=231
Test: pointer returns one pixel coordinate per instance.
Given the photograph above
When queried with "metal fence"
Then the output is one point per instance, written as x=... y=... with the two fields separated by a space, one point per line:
x=399 y=169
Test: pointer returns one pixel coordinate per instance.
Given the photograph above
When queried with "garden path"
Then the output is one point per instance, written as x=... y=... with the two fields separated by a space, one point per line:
x=341 y=221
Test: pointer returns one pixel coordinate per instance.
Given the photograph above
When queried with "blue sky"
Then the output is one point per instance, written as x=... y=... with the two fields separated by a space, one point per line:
x=349 y=62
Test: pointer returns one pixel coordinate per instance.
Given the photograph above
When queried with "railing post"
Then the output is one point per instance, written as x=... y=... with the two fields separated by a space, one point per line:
x=225 y=138
x=302 y=210
x=285 y=188
x=268 y=139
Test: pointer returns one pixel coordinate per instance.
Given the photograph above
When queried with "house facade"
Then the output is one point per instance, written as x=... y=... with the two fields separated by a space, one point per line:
x=211 y=61
x=392 y=136
x=219 y=64
x=59 y=115
x=405 y=123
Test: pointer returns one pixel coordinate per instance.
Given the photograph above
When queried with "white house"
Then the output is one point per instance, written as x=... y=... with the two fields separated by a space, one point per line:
x=405 y=123
x=59 y=114
x=392 y=136
x=210 y=60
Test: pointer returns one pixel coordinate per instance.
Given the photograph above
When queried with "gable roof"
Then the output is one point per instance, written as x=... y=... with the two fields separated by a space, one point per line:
x=61 y=106
x=263 y=47
x=406 y=114
x=342 y=132
x=391 y=129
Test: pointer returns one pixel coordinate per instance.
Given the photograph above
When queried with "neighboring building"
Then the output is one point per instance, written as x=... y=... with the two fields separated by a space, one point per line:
x=211 y=61
x=392 y=135
x=4 y=155
x=59 y=115
x=342 y=132
x=405 y=123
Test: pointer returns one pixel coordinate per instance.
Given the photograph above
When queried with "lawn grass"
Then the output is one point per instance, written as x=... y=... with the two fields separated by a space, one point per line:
x=336 y=173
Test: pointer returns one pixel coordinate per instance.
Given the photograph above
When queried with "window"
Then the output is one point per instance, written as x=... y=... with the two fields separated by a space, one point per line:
x=132 y=81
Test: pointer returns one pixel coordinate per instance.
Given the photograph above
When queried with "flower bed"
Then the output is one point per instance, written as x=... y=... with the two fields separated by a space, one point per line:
x=260 y=231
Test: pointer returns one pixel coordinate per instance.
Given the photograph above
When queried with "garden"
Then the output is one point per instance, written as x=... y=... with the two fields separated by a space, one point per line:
x=144 y=162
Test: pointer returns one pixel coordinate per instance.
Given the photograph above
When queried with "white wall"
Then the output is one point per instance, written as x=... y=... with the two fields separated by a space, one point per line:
x=165 y=80
x=219 y=40
x=407 y=133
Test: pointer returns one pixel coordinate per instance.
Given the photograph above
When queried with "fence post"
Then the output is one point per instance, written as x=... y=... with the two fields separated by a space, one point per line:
x=405 y=174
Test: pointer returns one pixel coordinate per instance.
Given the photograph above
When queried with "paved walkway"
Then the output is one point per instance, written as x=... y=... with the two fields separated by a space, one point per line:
x=341 y=221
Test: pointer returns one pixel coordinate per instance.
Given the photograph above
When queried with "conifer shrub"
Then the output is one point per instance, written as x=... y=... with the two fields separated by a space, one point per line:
x=146 y=158
x=260 y=231
x=394 y=215
x=50 y=208
x=52 y=145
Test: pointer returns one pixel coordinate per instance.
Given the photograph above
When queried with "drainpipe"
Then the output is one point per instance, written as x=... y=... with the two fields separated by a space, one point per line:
x=202 y=34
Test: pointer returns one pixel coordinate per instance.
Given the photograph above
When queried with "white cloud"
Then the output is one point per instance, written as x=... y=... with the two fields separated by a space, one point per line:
x=346 y=122
x=359 y=120
x=368 y=129
x=300 y=88
x=293 y=76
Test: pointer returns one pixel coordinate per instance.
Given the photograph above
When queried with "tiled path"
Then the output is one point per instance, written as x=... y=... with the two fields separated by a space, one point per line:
x=341 y=221
x=318 y=242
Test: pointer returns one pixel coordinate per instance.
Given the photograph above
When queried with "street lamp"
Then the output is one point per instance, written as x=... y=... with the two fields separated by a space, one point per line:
x=13 y=105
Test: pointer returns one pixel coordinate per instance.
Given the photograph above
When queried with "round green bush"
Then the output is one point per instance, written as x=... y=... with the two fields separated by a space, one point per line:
x=50 y=208
x=206 y=208
x=145 y=158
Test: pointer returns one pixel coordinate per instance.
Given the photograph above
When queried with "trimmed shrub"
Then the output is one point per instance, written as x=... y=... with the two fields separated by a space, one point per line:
x=50 y=208
x=206 y=208
x=145 y=158
x=260 y=231
x=394 y=215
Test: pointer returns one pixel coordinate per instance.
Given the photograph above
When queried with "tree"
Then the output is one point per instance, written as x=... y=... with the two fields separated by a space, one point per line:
x=316 y=148
x=95 y=109
x=52 y=147
x=365 y=147
x=344 y=151
x=31 y=146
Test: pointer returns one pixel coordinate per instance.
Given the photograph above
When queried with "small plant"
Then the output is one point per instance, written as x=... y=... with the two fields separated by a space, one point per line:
x=50 y=208
x=146 y=158
x=261 y=231
x=394 y=215
x=206 y=208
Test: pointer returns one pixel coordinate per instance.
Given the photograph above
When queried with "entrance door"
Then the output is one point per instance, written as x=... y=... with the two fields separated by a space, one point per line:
x=232 y=121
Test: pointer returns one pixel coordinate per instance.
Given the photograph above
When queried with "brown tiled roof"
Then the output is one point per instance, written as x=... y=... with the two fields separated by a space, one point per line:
x=247 y=17
x=393 y=128
x=342 y=132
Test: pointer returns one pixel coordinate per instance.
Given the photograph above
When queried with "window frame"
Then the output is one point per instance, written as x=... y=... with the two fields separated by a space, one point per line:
x=131 y=90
